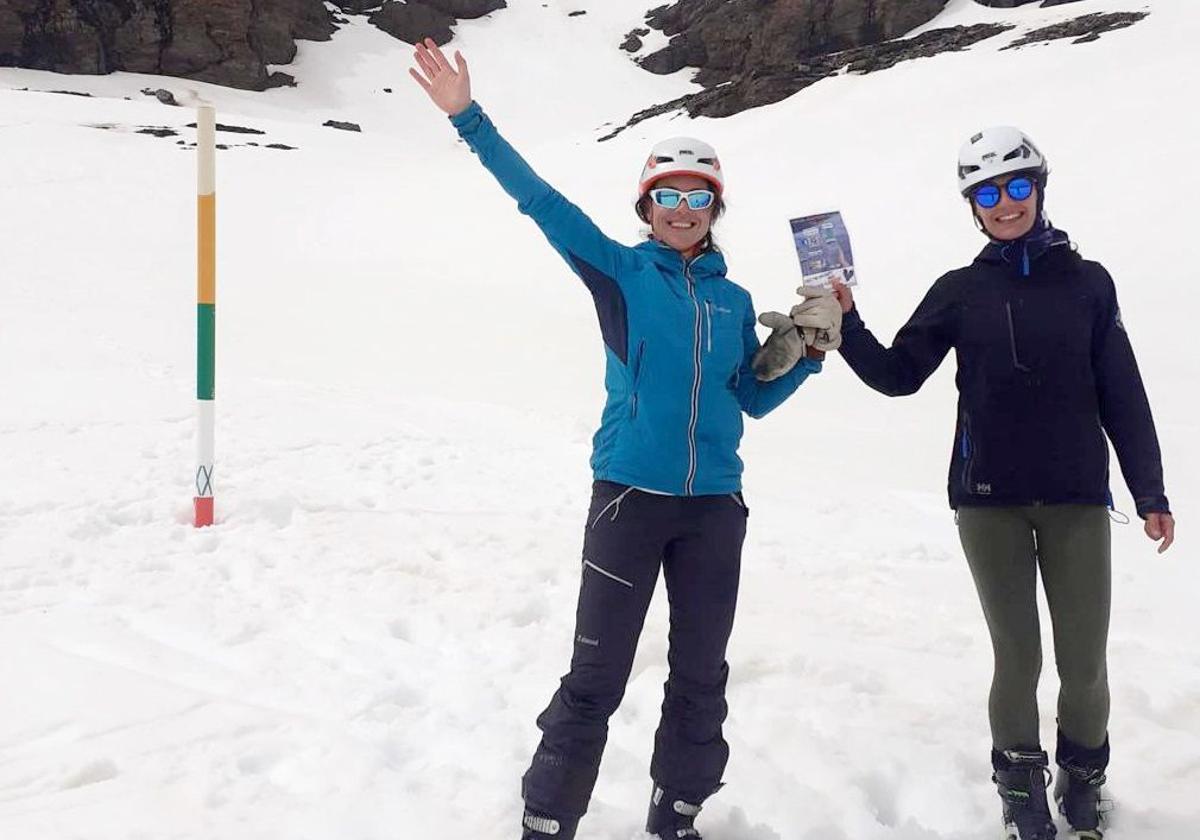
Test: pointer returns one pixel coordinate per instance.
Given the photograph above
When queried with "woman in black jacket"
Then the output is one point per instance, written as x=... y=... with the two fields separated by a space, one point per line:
x=1045 y=370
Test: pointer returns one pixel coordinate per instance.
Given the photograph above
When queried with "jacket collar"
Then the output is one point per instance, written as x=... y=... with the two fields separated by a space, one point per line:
x=1021 y=254
x=708 y=264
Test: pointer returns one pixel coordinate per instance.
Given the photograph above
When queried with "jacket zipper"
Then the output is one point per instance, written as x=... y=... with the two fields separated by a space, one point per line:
x=708 y=322
x=695 y=416
x=637 y=377
x=968 y=454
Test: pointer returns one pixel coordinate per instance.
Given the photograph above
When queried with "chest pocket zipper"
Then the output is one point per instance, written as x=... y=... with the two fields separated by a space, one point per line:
x=708 y=312
x=1012 y=341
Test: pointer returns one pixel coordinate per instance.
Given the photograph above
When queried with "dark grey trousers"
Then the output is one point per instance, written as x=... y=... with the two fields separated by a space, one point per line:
x=1006 y=547
x=697 y=543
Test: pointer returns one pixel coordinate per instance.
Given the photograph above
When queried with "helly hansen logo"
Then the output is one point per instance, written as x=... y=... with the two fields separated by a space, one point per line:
x=982 y=489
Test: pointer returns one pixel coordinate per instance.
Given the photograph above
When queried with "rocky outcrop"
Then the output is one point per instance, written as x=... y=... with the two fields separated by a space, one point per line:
x=1010 y=4
x=753 y=88
x=633 y=39
x=726 y=39
x=417 y=19
x=1081 y=29
x=748 y=53
x=227 y=42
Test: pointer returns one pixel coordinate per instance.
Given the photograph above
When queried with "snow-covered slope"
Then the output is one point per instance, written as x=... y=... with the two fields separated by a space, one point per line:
x=407 y=383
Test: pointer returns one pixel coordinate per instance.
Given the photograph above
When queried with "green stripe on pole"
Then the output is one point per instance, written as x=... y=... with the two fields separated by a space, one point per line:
x=206 y=329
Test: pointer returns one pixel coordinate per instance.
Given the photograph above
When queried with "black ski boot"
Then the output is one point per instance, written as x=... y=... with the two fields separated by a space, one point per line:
x=538 y=826
x=671 y=816
x=1079 y=787
x=1020 y=777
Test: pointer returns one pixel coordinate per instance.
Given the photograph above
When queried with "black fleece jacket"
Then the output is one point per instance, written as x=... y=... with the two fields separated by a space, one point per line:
x=1045 y=369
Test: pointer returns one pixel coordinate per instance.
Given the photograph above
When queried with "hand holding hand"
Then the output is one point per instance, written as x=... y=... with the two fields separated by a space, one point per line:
x=449 y=89
x=844 y=295
x=1161 y=526
x=821 y=313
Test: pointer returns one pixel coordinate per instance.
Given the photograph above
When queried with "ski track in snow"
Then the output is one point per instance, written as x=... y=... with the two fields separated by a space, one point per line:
x=358 y=649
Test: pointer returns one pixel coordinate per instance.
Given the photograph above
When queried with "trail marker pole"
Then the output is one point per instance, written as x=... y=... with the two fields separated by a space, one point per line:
x=206 y=304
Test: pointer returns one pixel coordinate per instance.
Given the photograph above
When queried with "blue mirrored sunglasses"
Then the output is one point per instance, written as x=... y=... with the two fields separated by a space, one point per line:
x=669 y=199
x=987 y=195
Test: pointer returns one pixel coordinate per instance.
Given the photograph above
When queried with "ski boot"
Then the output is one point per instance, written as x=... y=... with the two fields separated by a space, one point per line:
x=538 y=826
x=1078 y=789
x=1020 y=777
x=671 y=816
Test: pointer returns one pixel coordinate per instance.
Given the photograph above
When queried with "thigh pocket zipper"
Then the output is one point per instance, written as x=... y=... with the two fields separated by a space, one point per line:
x=590 y=565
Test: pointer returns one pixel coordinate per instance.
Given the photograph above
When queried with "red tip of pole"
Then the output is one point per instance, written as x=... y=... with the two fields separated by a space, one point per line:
x=204 y=511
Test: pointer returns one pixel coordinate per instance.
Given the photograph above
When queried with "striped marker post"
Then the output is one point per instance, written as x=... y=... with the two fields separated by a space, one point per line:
x=206 y=306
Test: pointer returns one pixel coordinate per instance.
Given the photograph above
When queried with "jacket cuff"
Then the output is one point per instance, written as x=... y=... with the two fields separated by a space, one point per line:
x=1152 y=504
x=468 y=118
x=852 y=321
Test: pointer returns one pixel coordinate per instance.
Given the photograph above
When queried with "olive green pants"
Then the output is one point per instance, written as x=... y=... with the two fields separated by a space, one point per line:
x=1070 y=544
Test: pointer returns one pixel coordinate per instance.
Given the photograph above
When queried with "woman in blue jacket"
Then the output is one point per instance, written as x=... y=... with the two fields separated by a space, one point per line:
x=679 y=342
x=1045 y=372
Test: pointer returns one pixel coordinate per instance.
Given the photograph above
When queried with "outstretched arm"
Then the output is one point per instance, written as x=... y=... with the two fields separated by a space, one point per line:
x=758 y=397
x=915 y=353
x=568 y=228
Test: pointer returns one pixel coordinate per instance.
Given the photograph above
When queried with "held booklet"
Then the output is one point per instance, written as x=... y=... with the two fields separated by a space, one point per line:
x=823 y=246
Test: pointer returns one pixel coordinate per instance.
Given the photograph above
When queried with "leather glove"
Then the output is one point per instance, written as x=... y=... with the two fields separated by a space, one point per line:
x=784 y=347
x=821 y=313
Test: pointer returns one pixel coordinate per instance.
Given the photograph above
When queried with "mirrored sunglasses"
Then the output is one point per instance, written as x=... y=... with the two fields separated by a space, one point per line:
x=987 y=195
x=669 y=199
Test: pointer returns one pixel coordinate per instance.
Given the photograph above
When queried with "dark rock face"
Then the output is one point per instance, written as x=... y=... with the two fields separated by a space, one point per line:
x=729 y=38
x=1081 y=29
x=358 y=7
x=633 y=39
x=227 y=42
x=467 y=9
x=754 y=88
x=412 y=21
x=1012 y=4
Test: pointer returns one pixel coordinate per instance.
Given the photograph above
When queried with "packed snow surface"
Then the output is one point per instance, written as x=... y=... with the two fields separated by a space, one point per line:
x=408 y=379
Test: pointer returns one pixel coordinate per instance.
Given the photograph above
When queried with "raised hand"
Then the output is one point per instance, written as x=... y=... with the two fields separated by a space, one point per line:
x=448 y=87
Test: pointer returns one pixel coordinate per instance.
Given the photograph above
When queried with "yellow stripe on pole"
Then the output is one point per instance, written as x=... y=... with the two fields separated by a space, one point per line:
x=206 y=255
x=206 y=216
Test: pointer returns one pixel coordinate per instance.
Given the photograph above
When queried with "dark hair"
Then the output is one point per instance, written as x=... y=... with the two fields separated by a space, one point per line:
x=642 y=208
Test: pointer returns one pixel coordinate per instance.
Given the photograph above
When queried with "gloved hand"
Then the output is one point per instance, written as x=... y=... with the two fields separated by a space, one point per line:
x=822 y=313
x=784 y=347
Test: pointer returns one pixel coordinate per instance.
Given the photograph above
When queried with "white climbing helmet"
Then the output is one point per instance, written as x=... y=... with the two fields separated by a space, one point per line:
x=682 y=156
x=998 y=151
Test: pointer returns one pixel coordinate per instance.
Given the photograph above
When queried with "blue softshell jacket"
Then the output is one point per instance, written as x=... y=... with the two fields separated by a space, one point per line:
x=678 y=338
